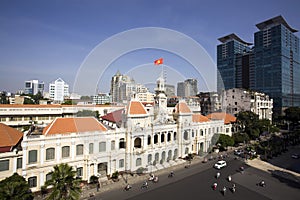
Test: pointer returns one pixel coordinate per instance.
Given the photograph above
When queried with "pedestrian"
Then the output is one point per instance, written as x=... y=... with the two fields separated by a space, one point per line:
x=98 y=186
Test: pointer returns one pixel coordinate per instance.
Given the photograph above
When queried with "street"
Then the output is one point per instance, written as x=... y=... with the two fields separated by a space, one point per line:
x=196 y=182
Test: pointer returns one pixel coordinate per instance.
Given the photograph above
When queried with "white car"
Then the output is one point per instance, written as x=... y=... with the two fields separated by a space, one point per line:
x=220 y=164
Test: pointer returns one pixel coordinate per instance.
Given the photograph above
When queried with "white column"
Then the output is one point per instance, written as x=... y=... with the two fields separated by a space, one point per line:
x=42 y=152
x=15 y=164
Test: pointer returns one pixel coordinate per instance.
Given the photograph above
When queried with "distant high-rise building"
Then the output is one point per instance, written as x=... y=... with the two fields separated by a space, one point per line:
x=34 y=86
x=180 y=89
x=170 y=90
x=277 y=62
x=120 y=86
x=187 y=88
x=58 y=90
x=233 y=62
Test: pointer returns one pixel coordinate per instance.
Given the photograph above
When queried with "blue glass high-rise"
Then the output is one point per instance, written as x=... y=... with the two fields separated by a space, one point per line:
x=277 y=63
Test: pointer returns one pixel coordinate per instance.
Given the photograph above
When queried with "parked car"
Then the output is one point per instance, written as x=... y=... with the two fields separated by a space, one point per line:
x=238 y=152
x=295 y=156
x=220 y=164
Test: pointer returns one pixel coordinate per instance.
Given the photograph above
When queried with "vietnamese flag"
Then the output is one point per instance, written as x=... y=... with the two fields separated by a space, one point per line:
x=158 y=62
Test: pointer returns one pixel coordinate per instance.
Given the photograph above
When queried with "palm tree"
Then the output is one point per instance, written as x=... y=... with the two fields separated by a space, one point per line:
x=65 y=184
x=15 y=187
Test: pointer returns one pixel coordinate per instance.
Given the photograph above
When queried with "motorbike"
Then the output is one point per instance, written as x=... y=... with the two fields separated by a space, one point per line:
x=155 y=179
x=233 y=188
x=262 y=184
x=229 y=178
x=171 y=175
x=224 y=191
x=145 y=185
x=214 y=186
x=218 y=175
x=151 y=178
x=127 y=187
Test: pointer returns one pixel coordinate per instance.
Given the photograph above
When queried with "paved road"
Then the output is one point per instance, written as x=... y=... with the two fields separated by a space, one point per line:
x=196 y=181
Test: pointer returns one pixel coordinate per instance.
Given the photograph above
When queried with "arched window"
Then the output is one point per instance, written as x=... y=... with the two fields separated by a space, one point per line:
x=50 y=154
x=186 y=150
x=162 y=138
x=175 y=136
x=122 y=143
x=149 y=140
x=112 y=145
x=138 y=162
x=79 y=149
x=138 y=142
x=185 y=135
x=149 y=158
x=169 y=155
x=155 y=139
x=175 y=154
x=65 y=152
x=169 y=137
x=163 y=156
x=102 y=146
x=156 y=157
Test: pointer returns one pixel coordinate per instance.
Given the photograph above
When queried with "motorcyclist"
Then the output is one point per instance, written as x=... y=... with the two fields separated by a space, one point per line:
x=128 y=187
x=229 y=178
x=233 y=187
x=262 y=183
x=171 y=174
x=224 y=190
x=215 y=186
x=218 y=175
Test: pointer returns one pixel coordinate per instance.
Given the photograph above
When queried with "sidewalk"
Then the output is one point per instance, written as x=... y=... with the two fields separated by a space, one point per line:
x=272 y=169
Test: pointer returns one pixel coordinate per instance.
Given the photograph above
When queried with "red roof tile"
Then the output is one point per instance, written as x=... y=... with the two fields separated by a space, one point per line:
x=73 y=125
x=135 y=108
x=182 y=107
x=115 y=116
x=199 y=118
x=228 y=118
x=9 y=136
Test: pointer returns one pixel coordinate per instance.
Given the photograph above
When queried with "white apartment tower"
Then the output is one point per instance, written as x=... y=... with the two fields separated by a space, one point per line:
x=34 y=86
x=58 y=89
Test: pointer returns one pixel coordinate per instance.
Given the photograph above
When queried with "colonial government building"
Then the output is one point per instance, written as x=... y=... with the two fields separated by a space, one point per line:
x=135 y=137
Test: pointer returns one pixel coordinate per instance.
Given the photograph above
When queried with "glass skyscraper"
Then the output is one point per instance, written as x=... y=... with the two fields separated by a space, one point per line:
x=232 y=57
x=277 y=62
x=271 y=66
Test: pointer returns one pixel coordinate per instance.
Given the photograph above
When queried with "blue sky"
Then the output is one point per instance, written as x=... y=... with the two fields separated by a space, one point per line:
x=46 y=40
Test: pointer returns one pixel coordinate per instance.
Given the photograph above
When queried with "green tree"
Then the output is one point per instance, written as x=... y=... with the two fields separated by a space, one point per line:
x=248 y=122
x=65 y=184
x=240 y=138
x=292 y=114
x=15 y=187
x=67 y=102
x=4 y=98
x=225 y=140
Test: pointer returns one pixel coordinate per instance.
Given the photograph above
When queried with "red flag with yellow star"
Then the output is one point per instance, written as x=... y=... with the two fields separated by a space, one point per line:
x=159 y=61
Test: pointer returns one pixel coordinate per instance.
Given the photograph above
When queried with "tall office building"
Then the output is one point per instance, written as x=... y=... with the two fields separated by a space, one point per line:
x=34 y=86
x=180 y=89
x=58 y=90
x=277 y=62
x=119 y=81
x=187 y=88
x=233 y=62
x=170 y=90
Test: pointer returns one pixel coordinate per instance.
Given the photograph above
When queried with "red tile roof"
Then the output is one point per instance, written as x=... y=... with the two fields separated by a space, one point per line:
x=73 y=125
x=199 y=118
x=228 y=118
x=9 y=137
x=115 y=116
x=182 y=107
x=135 y=108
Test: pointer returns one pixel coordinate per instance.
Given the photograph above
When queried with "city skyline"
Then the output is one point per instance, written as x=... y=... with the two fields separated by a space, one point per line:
x=46 y=40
